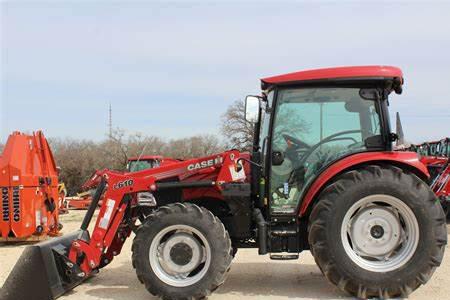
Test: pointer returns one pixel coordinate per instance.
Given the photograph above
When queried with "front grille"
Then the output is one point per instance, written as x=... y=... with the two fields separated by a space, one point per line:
x=16 y=204
x=5 y=204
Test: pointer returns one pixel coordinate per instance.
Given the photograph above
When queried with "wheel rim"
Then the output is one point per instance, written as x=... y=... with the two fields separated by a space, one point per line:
x=380 y=233
x=180 y=255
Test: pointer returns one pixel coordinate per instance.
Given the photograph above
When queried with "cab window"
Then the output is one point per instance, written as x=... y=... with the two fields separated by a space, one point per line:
x=312 y=128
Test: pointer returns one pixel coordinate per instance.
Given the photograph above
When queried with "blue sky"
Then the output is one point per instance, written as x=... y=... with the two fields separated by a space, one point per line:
x=171 y=69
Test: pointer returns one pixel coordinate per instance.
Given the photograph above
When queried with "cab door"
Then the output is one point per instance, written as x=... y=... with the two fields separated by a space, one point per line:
x=312 y=128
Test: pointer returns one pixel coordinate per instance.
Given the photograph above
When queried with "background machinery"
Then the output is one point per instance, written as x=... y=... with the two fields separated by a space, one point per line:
x=322 y=176
x=436 y=156
x=29 y=188
x=62 y=204
x=148 y=162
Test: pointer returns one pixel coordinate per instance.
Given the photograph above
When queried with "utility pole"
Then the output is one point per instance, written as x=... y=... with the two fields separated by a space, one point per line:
x=110 y=121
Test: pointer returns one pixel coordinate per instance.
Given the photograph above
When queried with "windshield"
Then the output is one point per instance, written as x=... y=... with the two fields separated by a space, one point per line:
x=313 y=115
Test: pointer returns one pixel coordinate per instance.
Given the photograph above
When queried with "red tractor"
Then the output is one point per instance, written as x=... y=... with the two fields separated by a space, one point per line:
x=322 y=176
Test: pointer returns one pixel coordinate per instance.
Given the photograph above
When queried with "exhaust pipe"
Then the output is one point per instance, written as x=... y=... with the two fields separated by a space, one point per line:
x=262 y=231
x=44 y=271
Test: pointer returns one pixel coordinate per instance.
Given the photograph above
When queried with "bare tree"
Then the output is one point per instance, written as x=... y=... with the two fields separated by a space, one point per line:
x=195 y=146
x=139 y=144
x=120 y=146
x=78 y=159
x=292 y=124
x=115 y=150
x=238 y=131
x=209 y=144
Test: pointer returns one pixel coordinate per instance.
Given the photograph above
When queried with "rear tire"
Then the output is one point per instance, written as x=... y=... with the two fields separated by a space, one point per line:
x=366 y=251
x=182 y=251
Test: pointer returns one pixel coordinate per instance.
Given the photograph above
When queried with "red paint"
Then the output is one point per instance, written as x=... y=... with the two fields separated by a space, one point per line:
x=77 y=202
x=431 y=161
x=336 y=73
x=110 y=231
x=441 y=183
x=403 y=158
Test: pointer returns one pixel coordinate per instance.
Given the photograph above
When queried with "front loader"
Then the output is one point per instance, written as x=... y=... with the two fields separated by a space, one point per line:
x=322 y=176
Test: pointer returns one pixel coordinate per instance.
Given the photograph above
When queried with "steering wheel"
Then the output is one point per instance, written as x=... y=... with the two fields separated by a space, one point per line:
x=290 y=140
x=311 y=149
x=306 y=150
x=331 y=138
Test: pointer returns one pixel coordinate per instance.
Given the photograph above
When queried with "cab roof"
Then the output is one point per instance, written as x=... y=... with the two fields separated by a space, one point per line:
x=357 y=72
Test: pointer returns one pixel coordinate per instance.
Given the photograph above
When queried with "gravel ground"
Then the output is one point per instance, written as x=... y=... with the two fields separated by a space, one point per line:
x=251 y=276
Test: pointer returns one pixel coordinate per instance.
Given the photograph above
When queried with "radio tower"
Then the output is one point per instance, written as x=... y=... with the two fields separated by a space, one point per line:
x=110 y=121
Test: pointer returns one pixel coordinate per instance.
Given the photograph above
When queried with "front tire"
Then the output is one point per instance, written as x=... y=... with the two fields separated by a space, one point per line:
x=182 y=251
x=378 y=232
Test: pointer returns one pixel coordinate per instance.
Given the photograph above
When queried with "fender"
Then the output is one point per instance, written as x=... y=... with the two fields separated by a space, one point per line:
x=407 y=159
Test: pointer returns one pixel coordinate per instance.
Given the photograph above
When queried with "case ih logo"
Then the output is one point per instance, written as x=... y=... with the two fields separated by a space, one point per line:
x=5 y=204
x=205 y=163
x=16 y=204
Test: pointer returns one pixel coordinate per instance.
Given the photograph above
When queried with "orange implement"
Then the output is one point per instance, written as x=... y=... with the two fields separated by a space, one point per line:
x=29 y=189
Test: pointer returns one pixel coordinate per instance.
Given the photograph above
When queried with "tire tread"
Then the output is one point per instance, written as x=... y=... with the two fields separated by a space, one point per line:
x=324 y=207
x=217 y=230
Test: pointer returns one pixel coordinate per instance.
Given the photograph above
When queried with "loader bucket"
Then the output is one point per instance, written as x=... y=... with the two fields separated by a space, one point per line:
x=43 y=271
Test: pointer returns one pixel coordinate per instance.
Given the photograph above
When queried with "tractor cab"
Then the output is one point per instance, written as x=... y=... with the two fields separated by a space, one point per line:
x=306 y=121
x=136 y=164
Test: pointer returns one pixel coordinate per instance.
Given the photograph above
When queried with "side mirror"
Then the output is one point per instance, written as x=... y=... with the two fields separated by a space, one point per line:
x=277 y=158
x=252 y=109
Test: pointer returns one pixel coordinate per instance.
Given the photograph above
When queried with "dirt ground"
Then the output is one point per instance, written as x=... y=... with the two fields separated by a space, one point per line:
x=251 y=276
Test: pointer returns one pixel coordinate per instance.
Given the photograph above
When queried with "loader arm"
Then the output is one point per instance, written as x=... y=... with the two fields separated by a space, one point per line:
x=112 y=227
